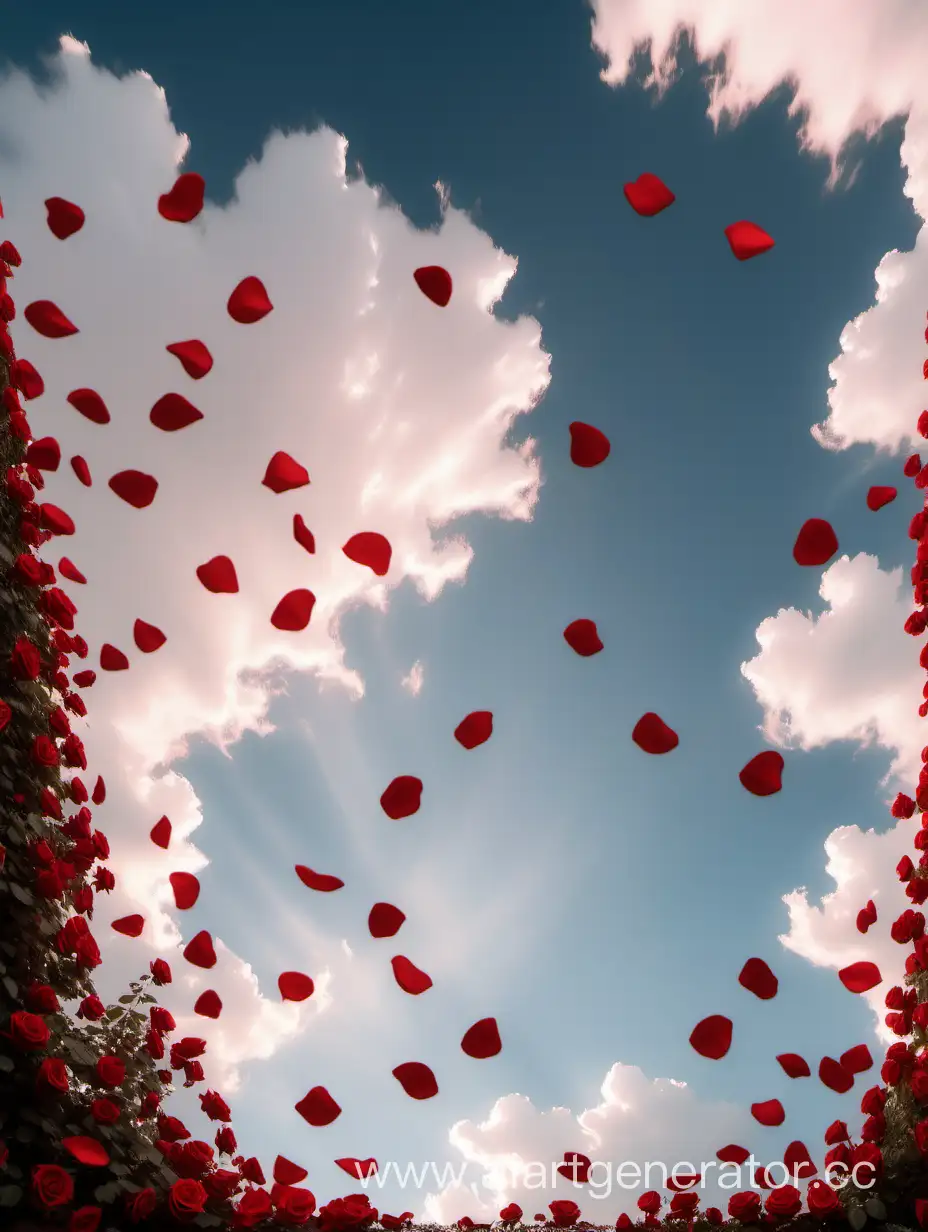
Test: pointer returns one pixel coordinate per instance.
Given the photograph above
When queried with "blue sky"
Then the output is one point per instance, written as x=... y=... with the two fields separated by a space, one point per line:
x=624 y=892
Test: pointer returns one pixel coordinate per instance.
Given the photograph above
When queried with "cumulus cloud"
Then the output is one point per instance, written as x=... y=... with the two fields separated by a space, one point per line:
x=413 y=681
x=851 y=69
x=400 y=411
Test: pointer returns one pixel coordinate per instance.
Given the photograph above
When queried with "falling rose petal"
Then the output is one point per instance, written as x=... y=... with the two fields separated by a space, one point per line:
x=193 y=355
x=148 y=637
x=360 y=1169
x=435 y=284
x=475 y=729
x=64 y=218
x=588 y=446
x=303 y=535
x=287 y=1173
x=482 y=1040
x=161 y=833
x=653 y=735
x=318 y=1108
x=834 y=1075
x=186 y=889
x=56 y=520
x=581 y=636
x=409 y=977
x=99 y=790
x=249 y=302
x=711 y=1038
x=69 y=570
x=369 y=548
x=757 y=978
x=324 y=882
x=295 y=986
x=89 y=403
x=857 y=1060
x=793 y=1065
x=648 y=195
x=84 y=679
x=283 y=474
x=763 y=775
x=45 y=454
x=385 y=920
x=25 y=378
x=293 y=612
x=733 y=1154
x=129 y=925
x=416 y=1079
x=135 y=488
x=747 y=240
x=81 y=470
x=815 y=544
x=878 y=496
x=112 y=659
x=87 y=1151
x=185 y=200
x=402 y=798
x=860 y=976
x=208 y=1004
x=199 y=951
x=769 y=1112
x=218 y=576
x=173 y=412
x=48 y=320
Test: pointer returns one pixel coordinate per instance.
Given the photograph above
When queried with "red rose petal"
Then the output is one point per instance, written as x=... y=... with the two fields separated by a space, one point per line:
x=64 y=218
x=317 y=1107
x=815 y=544
x=324 y=882
x=185 y=200
x=249 y=302
x=208 y=1004
x=403 y=797
x=90 y=405
x=482 y=1040
x=769 y=1112
x=99 y=790
x=193 y=355
x=84 y=679
x=581 y=636
x=860 y=976
x=733 y=1154
x=218 y=576
x=798 y=1161
x=834 y=1075
x=161 y=833
x=588 y=446
x=56 y=520
x=878 y=496
x=186 y=889
x=653 y=735
x=475 y=729
x=360 y=1169
x=148 y=637
x=199 y=951
x=135 y=488
x=371 y=549
x=25 y=377
x=757 y=978
x=857 y=1060
x=45 y=454
x=302 y=534
x=712 y=1037
x=793 y=1065
x=87 y=1151
x=129 y=925
x=385 y=920
x=747 y=240
x=416 y=1079
x=112 y=659
x=409 y=977
x=69 y=570
x=435 y=284
x=48 y=320
x=648 y=195
x=763 y=775
x=293 y=612
x=81 y=470
x=283 y=474
x=295 y=986
x=173 y=412
x=287 y=1173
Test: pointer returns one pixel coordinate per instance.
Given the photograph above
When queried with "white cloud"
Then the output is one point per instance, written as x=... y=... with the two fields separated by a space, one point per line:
x=413 y=681
x=852 y=68
x=398 y=409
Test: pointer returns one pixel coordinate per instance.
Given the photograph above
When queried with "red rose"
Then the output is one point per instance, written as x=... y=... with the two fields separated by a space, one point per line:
x=186 y=1199
x=866 y=1164
x=822 y=1199
x=225 y=1141
x=162 y=1020
x=53 y=1073
x=25 y=661
x=58 y=722
x=221 y=1184
x=28 y=1031
x=86 y=951
x=57 y=604
x=5 y=714
x=52 y=1186
x=27 y=570
x=744 y=1206
x=91 y=1008
x=918 y=1084
x=251 y=1171
x=85 y=1219
x=171 y=1129
x=149 y=1104
x=41 y=999
x=104 y=1111
x=252 y=1208
x=564 y=1212
x=110 y=1071
x=294 y=1205
x=140 y=1205
x=160 y=971
x=215 y=1106
x=44 y=752
x=154 y=1045
x=784 y=1202
x=921 y=1136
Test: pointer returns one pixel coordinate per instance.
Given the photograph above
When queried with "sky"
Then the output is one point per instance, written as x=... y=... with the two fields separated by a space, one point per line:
x=596 y=900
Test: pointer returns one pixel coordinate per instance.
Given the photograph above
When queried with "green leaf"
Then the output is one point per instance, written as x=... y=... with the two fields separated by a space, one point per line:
x=127 y=999
x=10 y=1195
x=114 y=1013
x=10 y=986
x=119 y=1169
x=22 y=894
x=6 y=1064
x=106 y=1193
